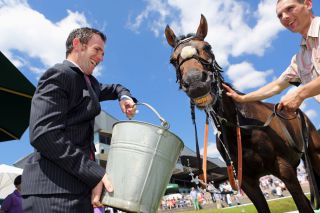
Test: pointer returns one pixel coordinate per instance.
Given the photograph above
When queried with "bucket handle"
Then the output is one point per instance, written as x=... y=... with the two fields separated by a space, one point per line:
x=164 y=123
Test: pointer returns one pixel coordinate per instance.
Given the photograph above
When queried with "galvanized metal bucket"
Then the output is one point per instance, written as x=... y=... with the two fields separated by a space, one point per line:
x=140 y=162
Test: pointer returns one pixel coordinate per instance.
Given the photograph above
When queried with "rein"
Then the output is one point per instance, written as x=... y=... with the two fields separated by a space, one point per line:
x=266 y=124
x=219 y=121
x=315 y=196
x=193 y=118
x=314 y=192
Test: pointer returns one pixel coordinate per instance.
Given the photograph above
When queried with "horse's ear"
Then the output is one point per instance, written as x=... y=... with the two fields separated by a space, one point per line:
x=171 y=37
x=203 y=28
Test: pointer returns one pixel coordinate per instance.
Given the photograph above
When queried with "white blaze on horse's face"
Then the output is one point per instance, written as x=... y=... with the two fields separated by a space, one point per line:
x=188 y=52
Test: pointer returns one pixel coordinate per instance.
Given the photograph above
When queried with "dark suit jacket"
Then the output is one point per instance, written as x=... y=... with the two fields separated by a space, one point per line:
x=61 y=131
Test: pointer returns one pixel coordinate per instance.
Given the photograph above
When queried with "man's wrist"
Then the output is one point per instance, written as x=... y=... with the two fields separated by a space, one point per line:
x=300 y=93
x=125 y=97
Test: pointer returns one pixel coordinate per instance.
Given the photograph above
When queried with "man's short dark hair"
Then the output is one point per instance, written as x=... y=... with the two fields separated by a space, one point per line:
x=84 y=34
x=17 y=180
x=299 y=1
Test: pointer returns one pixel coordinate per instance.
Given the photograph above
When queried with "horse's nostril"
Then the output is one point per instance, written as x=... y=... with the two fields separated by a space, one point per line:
x=185 y=85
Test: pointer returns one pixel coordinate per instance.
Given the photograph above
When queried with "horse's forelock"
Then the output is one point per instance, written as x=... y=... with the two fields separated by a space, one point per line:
x=183 y=37
x=180 y=39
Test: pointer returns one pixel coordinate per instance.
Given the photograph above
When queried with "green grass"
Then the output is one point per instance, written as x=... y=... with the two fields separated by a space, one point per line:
x=276 y=206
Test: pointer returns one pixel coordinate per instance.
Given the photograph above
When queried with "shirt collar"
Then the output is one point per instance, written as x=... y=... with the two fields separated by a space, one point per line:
x=313 y=31
x=75 y=64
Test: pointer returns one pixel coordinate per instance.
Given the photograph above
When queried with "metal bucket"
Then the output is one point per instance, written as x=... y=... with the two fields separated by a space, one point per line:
x=140 y=162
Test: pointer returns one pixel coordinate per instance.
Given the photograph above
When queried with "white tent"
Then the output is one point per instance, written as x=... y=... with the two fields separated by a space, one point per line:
x=7 y=176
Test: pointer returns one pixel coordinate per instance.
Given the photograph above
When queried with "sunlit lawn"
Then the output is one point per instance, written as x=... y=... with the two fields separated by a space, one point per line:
x=276 y=206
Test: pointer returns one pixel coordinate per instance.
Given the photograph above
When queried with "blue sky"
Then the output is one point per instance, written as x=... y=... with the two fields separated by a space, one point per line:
x=247 y=40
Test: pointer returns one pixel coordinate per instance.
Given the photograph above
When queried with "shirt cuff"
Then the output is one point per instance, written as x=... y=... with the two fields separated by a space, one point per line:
x=125 y=97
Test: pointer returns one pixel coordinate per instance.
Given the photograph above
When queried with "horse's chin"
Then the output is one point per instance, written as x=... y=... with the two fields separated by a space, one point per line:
x=203 y=101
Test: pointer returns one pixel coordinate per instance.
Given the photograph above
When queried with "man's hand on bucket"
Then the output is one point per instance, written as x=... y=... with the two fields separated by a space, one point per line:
x=128 y=107
x=107 y=184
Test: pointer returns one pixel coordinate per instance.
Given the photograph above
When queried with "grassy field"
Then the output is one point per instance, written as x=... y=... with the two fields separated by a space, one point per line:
x=276 y=206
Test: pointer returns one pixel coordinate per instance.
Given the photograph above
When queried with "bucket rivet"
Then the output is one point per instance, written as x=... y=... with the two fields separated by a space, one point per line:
x=160 y=131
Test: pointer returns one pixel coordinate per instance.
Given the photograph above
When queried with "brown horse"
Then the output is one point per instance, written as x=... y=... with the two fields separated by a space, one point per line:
x=268 y=150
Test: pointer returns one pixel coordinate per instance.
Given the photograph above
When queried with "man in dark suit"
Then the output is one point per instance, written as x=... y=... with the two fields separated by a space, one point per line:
x=63 y=172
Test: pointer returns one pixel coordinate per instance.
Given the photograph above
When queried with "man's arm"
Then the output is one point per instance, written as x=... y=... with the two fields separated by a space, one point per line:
x=293 y=100
x=267 y=91
x=117 y=91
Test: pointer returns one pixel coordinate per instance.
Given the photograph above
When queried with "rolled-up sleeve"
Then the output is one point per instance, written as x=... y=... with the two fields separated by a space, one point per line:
x=291 y=74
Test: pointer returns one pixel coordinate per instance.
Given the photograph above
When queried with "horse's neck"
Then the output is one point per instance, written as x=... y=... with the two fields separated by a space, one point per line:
x=226 y=108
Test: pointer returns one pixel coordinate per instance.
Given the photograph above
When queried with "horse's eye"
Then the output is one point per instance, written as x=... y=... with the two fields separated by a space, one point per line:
x=207 y=48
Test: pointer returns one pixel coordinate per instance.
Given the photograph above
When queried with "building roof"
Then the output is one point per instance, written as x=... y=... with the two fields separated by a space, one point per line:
x=104 y=122
x=216 y=168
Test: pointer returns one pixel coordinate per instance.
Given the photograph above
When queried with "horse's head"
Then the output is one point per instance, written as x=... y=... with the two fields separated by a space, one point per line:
x=196 y=68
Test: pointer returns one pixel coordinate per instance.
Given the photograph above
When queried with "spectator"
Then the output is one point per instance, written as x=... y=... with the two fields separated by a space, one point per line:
x=13 y=203
x=194 y=196
x=279 y=191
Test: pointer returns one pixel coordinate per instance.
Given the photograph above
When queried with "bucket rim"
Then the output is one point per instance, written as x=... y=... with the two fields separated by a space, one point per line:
x=150 y=124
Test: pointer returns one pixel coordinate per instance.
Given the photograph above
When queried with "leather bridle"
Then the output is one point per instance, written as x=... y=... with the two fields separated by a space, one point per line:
x=212 y=69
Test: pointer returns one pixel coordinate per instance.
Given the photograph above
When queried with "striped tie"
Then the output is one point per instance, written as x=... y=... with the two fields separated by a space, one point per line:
x=87 y=79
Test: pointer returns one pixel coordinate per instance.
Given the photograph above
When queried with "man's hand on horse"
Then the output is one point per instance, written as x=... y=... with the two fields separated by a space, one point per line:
x=231 y=93
x=290 y=102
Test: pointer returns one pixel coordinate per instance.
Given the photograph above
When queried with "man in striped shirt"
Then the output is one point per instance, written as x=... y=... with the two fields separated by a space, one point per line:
x=296 y=16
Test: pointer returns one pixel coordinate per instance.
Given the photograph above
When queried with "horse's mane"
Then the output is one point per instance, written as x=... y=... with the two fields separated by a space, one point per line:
x=237 y=91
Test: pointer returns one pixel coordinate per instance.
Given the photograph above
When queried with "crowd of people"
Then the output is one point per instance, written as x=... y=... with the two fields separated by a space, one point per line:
x=195 y=199
x=224 y=196
x=198 y=198
x=270 y=185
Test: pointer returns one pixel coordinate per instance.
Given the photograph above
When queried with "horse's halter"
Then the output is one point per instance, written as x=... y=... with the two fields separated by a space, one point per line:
x=210 y=66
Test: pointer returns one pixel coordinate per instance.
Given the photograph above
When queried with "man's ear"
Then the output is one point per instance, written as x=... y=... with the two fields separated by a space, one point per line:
x=76 y=44
x=308 y=3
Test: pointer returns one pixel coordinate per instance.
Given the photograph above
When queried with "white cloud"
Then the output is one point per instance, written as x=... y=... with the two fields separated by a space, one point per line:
x=257 y=39
x=303 y=106
x=33 y=36
x=230 y=29
x=311 y=113
x=156 y=25
x=212 y=150
x=242 y=73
